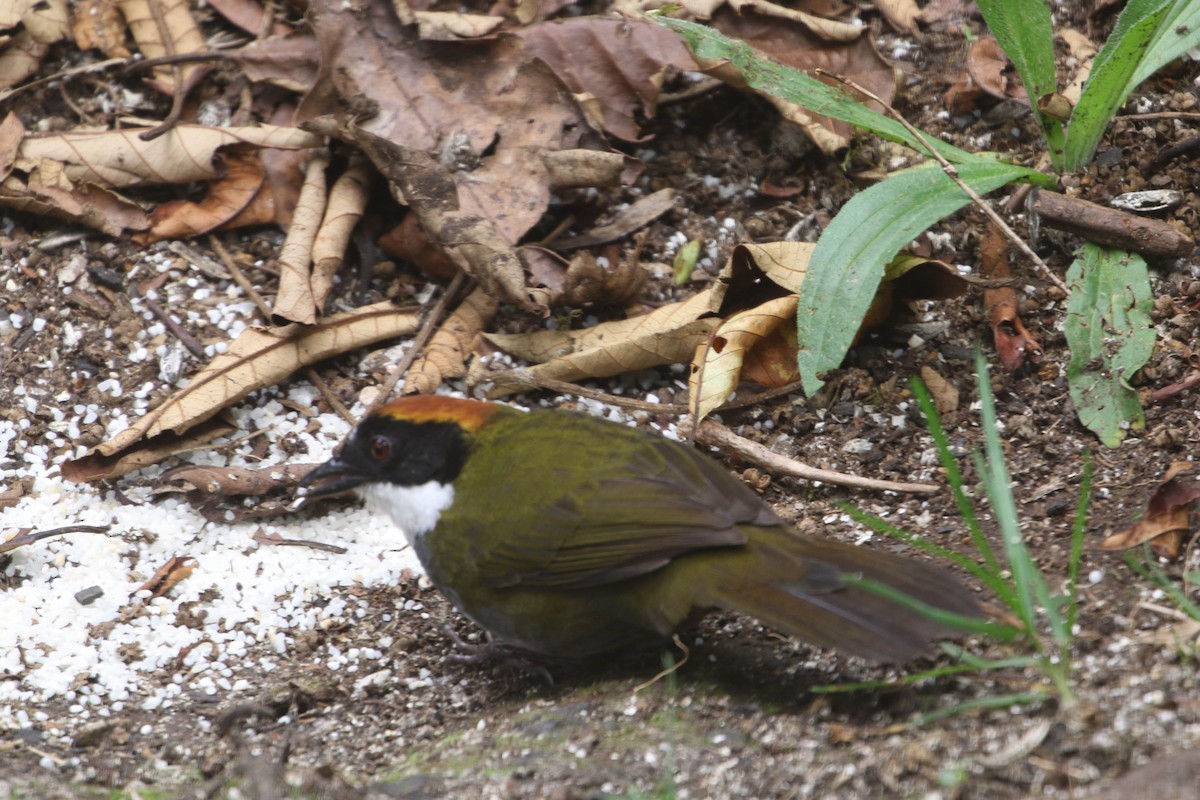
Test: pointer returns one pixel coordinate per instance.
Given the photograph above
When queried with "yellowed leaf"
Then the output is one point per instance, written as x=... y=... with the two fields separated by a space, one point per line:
x=717 y=367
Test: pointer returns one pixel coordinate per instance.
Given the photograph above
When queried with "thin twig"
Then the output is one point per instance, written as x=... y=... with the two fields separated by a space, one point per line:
x=190 y=342
x=333 y=400
x=717 y=435
x=675 y=666
x=952 y=172
x=240 y=278
x=423 y=336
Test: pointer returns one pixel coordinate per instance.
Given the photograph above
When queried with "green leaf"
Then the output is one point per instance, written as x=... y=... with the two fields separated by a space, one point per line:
x=1178 y=33
x=1022 y=29
x=848 y=261
x=1112 y=77
x=1111 y=337
x=794 y=86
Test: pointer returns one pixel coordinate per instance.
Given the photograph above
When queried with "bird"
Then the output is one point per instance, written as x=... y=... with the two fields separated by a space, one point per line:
x=566 y=536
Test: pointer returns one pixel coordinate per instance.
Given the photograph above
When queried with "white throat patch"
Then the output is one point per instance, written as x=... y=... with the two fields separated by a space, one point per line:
x=414 y=509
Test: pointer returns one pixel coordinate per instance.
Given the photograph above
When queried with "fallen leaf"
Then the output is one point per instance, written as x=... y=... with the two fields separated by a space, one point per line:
x=1168 y=514
x=446 y=356
x=1014 y=343
x=167 y=576
x=258 y=357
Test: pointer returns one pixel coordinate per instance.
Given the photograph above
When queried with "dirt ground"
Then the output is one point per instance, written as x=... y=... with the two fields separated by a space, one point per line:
x=740 y=718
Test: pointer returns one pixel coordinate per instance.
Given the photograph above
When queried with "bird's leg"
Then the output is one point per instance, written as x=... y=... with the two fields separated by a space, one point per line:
x=493 y=650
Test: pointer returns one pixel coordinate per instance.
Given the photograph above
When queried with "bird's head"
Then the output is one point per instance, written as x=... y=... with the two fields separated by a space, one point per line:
x=410 y=442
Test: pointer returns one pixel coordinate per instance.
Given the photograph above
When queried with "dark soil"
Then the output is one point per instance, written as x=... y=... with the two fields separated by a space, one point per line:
x=740 y=718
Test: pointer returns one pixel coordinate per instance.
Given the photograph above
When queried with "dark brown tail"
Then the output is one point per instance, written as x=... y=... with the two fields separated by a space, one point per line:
x=799 y=592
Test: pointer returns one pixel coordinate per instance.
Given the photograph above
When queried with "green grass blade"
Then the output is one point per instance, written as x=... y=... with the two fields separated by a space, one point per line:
x=1078 y=529
x=848 y=262
x=1031 y=589
x=954 y=476
x=989 y=577
x=1023 y=30
x=1110 y=335
x=997 y=631
x=984 y=704
x=1145 y=567
x=1112 y=76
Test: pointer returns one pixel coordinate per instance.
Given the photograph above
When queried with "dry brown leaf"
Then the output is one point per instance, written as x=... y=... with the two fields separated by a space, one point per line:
x=1014 y=343
x=347 y=201
x=467 y=239
x=943 y=392
x=1084 y=52
x=230 y=481
x=991 y=70
x=667 y=335
x=166 y=28
x=644 y=211
x=87 y=205
x=167 y=576
x=450 y=26
x=226 y=198
x=576 y=169
x=257 y=358
x=295 y=301
x=121 y=158
x=613 y=66
x=248 y=15
x=290 y=62
x=588 y=282
x=1168 y=514
x=485 y=106
x=47 y=21
x=97 y=25
x=408 y=242
x=541 y=346
x=900 y=14
x=446 y=356
x=717 y=366
x=829 y=30
x=20 y=59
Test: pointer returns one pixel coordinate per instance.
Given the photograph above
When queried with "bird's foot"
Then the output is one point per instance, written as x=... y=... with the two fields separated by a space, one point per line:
x=495 y=651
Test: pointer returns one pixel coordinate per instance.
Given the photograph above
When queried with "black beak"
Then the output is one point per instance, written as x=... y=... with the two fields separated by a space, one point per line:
x=333 y=477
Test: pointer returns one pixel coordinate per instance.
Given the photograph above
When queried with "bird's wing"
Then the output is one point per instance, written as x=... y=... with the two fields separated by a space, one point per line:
x=665 y=501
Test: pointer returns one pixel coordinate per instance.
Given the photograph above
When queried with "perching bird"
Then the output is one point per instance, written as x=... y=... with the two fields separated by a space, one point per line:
x=565 y=536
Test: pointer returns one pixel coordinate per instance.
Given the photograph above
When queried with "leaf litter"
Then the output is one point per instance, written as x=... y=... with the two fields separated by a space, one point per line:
x=511 y=194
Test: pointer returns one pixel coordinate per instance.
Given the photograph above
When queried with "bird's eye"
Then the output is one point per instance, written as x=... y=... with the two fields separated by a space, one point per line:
x=381 y=448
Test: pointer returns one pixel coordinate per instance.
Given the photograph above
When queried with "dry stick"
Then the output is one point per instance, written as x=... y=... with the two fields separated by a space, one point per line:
x=950 y=170
x=177 y=99
x=241 y=280
x=63 y=75
x=190 y=342
x=717 y=435
x=423 y=336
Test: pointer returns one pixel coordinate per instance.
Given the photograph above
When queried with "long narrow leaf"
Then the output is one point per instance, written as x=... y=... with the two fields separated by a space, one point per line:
x=1178 y=33
x=1023 y=30
x=1112 y=77
x=955 y=478
x=1027 y=579
x=794 y=86
x=848 y=263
